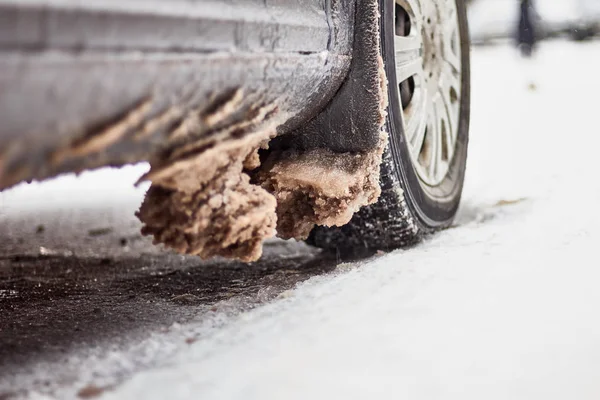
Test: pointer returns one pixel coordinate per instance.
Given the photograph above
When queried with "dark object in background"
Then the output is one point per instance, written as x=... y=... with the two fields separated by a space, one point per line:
x=526 y=34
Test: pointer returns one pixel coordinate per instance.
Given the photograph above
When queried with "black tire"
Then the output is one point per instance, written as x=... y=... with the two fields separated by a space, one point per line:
x=407 y=209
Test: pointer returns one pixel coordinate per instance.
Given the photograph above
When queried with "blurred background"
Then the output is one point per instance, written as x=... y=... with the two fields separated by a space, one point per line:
x=496 y=20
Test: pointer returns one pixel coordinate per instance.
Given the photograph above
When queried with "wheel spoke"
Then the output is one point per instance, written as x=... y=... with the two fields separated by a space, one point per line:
x=451 y=58
x=407 y=46
x=451 y=36
x=439 y=132
x=448 y=11
x=408 y=51
x=451 y=122
x=446 y=140
x=449 y=79
x=415 y=116
x=416 y=127
x=434 y=133
x=448 y=14
x=417 y=146
x=405 y=70
x=449 y=89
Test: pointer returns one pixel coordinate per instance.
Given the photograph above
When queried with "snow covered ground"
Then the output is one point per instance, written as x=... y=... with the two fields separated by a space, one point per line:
x=505 y=305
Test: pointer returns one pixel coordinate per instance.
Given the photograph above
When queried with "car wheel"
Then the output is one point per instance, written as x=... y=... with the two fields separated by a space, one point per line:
x=425 y=47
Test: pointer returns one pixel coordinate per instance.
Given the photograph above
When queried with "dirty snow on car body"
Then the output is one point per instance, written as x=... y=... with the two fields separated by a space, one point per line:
x=504 y=305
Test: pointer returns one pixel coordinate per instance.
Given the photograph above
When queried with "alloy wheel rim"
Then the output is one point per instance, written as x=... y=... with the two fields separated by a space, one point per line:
x=428 y=71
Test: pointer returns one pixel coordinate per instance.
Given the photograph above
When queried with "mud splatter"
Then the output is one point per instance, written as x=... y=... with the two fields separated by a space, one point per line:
x=90 y=391
x=162 y=120
x=255 y=116
x=198 y=119
x=510 y=202
x=111 y=134
x=222 y=110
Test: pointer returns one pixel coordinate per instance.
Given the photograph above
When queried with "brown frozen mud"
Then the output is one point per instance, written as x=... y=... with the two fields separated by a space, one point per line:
x=203 y=202
x=320 y=187
x=205 y=205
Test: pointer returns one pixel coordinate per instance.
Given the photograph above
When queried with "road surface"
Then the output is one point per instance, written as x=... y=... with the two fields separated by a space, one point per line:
x=504 y=305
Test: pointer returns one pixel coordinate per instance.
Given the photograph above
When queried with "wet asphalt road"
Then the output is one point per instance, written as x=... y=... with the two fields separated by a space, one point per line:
x=78 y=281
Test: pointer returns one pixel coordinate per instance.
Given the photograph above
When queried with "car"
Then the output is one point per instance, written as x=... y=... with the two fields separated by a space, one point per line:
x=343 y=123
